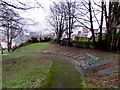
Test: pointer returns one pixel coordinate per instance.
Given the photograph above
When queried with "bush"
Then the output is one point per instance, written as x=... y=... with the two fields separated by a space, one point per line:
x=64 y=42
x=47 y=39
x=22 y=44
x=34 y=40
x=82 y=44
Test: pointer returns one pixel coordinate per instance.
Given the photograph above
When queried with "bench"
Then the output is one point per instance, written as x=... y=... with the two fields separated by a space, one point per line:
x=89 y=63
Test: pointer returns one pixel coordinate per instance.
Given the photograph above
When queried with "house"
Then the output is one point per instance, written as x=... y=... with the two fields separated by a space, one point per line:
x=83 y=32
x=97 y=31
x=76 y=33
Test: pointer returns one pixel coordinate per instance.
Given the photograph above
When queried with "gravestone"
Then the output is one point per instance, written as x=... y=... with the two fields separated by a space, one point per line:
x=108 y=70
x=76 y=56
x=70 y=55
x=82 y=70
x=65 y=53
x=81 y=58
x=102 y=62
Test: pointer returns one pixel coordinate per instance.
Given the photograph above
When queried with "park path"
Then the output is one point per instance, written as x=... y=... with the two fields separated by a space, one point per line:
x=91 y=79
x=62 y=75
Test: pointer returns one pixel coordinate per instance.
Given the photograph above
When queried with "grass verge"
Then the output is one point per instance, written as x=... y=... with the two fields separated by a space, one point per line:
x=29 y=48
x=24 y=71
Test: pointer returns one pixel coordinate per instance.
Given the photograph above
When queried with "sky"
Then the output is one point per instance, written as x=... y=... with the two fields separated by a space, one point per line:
x=38 y=15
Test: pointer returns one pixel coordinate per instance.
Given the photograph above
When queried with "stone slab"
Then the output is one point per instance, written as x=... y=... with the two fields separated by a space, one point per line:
x=81 y=58
x=102 y=62
x=82 y=71
x=108 y=70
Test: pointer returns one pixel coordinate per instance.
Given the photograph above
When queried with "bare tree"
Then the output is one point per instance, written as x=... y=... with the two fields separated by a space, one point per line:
x=57 y=19
x=101 y=24
x=86 y=16
x=112 y=21
x=70 y=13
x=11 y=22
x=91 y=21
x=10 y=19
x=1 y=49
x=63 y=18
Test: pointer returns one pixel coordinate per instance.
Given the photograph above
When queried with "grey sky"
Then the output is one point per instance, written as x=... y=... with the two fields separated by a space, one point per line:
x=39 y=15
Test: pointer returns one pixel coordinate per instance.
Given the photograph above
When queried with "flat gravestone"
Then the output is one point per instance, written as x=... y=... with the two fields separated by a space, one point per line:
x=60 y=53
x=70 y=55
x=76 y=56
x=108 y=70
x=55 y=52
x=82 y=71
x=65 y=53
x=81 y=58
x=102 y=62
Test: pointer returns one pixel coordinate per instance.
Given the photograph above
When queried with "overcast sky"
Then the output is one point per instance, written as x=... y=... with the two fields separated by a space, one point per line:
x=38 y=15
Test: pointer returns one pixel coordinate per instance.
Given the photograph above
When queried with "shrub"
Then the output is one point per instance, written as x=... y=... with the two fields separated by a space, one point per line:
x=34 y=40
x=21 y=45
x=82 y=44
x=64 y=42
x=47 y=39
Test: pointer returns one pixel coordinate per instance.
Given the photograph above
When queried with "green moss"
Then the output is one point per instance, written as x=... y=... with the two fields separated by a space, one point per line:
x=62 y=75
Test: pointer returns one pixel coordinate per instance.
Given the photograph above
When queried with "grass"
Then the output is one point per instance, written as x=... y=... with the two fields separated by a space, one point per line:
x=35 y=71
x=5 y=51
x=22 y=71
x=32 y=47
x=30 y=71
x=62 y=75
x=28 y=48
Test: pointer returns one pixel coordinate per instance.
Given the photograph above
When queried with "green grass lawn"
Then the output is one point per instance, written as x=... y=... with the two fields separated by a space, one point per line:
x=35 y=71
x=24 y=71
x=32 y=47
x=28 y=48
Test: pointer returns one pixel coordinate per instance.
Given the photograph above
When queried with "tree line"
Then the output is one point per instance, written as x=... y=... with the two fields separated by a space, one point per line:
x=66 y=16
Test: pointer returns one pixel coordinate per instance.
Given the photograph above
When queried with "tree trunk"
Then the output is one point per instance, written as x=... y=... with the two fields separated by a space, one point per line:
x=8 y=39
x=100 y=38
x=91 y=21
x=1 y=48
x=108 y=25
x=69 y=34
x=10 y=45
